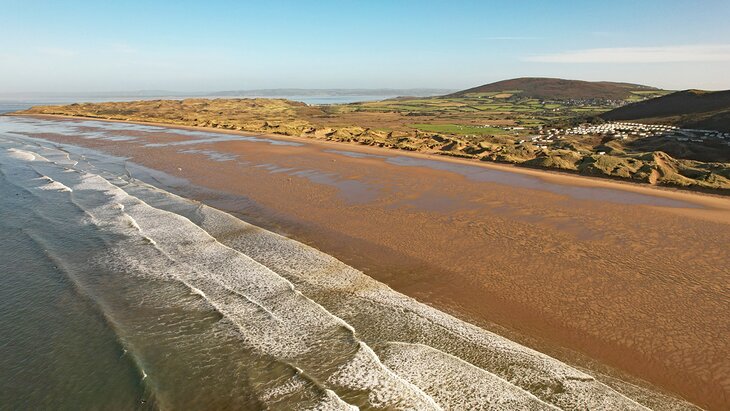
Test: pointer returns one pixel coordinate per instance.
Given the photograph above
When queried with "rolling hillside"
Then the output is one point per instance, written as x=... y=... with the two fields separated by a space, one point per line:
x=698 y=109
x=560 y=89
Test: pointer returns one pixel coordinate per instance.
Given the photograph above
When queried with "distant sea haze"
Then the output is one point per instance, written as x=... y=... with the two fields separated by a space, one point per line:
x=21 y=101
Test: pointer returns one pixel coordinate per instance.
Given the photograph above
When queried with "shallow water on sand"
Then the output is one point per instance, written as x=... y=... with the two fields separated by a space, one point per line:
x=118 y=294
x=476 y=173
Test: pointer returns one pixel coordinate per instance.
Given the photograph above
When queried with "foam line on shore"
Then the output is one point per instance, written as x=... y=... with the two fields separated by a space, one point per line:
x=124 y=222
x=469 y=388
x=215 y=269
x=315 y=272
x=308 y=309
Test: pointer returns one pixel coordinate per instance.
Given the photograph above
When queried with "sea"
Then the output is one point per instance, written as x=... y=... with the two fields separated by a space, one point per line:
x=116 y=293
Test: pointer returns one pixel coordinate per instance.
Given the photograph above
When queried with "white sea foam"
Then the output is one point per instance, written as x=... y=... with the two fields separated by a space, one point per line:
x=381 y=313
x=21 y=154
x=359 y=374
x=330 y=402
x=302 y=307
x=454 y=383
x=55 y=185
x=293 y=384
x=132 y=221
x=198 y=292
x=51 y=184
x=327 y=400
x=272 y=316
x=111 y=215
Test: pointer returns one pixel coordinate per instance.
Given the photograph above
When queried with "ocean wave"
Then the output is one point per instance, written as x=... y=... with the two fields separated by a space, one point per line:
x=21 y=154
x=272 y=316
x=454 y=383
x=52 y=184
x=390 y=313
x=341 y=338
x=379 y=313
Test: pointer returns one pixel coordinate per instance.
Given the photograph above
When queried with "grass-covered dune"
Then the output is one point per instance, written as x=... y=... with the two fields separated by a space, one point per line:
x=479 y=128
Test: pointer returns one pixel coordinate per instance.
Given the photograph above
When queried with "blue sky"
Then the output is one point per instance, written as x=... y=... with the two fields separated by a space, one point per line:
x=224 y=45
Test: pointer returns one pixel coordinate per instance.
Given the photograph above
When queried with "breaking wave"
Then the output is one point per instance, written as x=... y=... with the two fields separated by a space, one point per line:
x=271 y=322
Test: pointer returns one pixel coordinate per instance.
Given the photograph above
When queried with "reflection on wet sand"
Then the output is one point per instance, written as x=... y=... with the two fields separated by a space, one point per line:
x=635 y=278
x=516 y=180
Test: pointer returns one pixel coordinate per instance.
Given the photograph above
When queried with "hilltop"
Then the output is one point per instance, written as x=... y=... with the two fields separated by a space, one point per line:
x=696 y=109
x=561 y=89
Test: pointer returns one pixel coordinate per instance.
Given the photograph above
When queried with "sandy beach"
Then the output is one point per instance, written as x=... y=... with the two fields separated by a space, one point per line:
x=634 y=277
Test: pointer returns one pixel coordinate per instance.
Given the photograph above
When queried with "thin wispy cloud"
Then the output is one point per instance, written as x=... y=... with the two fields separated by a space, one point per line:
x=661 y=54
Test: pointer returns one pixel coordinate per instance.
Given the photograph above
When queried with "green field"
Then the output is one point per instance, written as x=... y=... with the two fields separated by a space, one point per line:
x=458 y=129
x=461 y=115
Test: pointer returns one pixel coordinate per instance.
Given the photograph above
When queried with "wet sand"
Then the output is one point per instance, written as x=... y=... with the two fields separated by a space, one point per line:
x=634 y=277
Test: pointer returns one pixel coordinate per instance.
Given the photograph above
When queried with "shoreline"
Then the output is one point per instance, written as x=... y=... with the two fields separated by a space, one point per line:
x=716 y=210
x=548 y=174
x=619 y=385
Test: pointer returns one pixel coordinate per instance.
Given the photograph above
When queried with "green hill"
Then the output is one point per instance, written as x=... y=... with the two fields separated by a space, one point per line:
x=560 y=89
